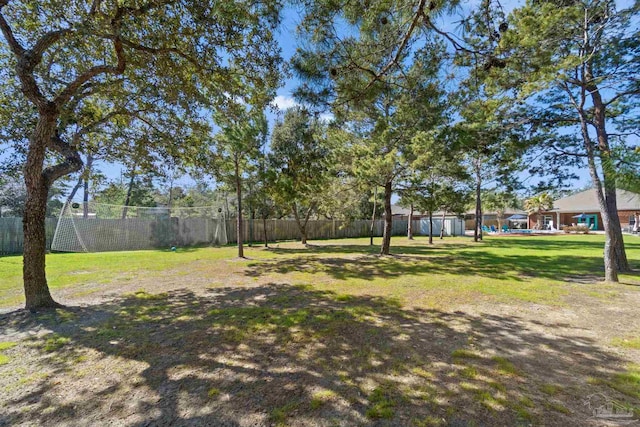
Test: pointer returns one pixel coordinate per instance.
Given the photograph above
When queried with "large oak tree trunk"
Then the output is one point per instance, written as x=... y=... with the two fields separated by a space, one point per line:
x=301 y=227
x=38 y=178
x=303 y=234
x=35 y=282
x=302 y=224
x=388 y=220
x=38 y=181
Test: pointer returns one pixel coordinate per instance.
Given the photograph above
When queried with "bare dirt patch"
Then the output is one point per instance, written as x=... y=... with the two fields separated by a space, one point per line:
x=323 y=336
x=278 y=354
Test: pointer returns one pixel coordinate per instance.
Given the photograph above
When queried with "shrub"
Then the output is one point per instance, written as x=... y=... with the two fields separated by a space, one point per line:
x=576 y=229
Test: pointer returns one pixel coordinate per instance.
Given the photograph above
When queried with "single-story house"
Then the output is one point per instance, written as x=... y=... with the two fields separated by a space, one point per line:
x=453 y=224
x=400 y=213
x=583 y=208
x=491 y=218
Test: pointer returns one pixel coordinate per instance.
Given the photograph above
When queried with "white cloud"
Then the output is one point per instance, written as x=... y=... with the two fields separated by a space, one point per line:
x=284 y=102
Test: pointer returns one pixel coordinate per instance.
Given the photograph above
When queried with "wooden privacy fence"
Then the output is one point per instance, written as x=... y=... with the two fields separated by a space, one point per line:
x=107 y=235
x=283 y=229
x=12 y=238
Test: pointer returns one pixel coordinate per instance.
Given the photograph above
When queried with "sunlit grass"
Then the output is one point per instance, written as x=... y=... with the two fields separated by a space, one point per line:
x=537 y=269
x=630 y=342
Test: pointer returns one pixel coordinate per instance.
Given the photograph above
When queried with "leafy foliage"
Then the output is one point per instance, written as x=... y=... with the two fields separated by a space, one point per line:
x=299 y=164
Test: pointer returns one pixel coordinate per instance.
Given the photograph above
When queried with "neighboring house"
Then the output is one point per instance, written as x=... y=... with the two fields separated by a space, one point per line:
x=398 y=212
x=491 y=218
x=583 y=208
x=453 y=224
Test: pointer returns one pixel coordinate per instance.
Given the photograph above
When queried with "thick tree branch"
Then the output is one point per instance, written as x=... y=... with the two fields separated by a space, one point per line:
x=43 y=44
x=24 y=67
x=72 y=161
x=14 y=45
x=403 y=44
x=92 y=72
x=567 y=153
x=455 y=43
x=160 y=50
x=634 y=91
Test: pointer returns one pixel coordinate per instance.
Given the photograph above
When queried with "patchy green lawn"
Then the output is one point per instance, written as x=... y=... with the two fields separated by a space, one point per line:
x=510 y=331
x=534 y=269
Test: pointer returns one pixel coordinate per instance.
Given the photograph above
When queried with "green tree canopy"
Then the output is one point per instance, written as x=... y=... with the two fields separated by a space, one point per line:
x=299 y=162
x=147 y=68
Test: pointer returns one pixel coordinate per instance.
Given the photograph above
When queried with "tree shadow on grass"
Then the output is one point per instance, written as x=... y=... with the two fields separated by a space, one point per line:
x=349 y=248
x=515 y=267
x=278 y=354
x=571 y=260
x=421 y=247
x=555 y=243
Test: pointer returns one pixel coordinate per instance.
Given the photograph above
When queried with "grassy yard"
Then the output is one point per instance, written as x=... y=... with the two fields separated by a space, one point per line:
x=510 y=331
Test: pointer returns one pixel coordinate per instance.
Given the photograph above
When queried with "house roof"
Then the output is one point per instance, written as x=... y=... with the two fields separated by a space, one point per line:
x=507 y=212
x=399 y=210
x=586 y=201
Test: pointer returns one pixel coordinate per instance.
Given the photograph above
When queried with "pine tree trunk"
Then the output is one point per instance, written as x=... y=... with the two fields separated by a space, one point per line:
x=430 y=227
x=75 y=189
x=612 y=241
x=239 y=213
x=85 y=199
x=127 y=199
x=264 y=228
x=442 y=225
x=477 y=233
x=85 y=196
x=388 y=220
x=373 y=215
x=170 y=202
x=410 y=225
x=615 y=257
x=613 y=232
x=613 y=229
